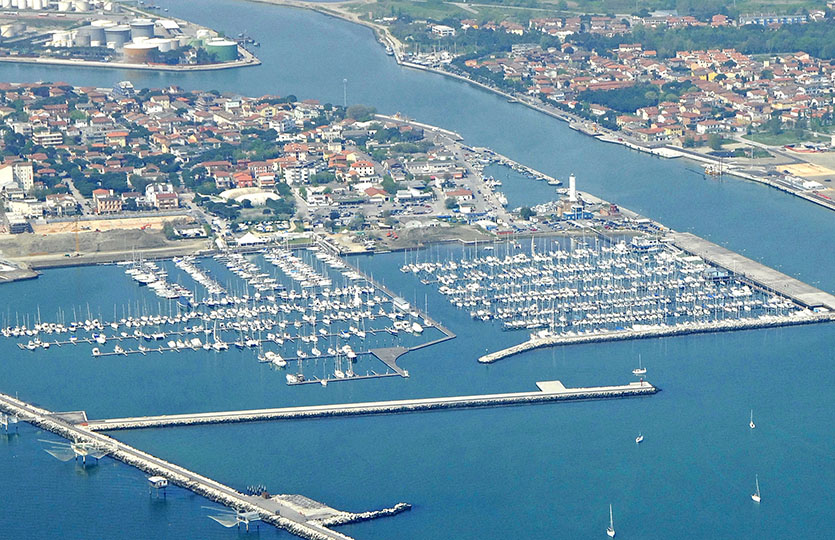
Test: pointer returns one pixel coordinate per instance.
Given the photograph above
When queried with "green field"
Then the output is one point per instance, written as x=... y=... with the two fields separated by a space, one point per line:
x=782 y=139
x=523 y=10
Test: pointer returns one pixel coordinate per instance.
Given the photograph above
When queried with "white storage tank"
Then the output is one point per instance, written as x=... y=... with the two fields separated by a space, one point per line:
x=7 y=31
x=141 y=28
x=117 y=36
x=64 y=5
x=166 y=45
x=82 y=5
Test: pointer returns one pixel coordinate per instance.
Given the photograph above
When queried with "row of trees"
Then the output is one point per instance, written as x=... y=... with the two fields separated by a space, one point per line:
x=815 y=38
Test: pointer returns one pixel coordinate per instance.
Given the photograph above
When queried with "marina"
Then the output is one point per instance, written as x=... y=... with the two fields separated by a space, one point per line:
x=312 y=309
x=602 y=288
x=707 y=379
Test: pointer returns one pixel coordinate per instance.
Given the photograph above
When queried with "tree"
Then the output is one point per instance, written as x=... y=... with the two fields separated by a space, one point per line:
x=714 y=141
x=526 y=213
x=356 y=222
x=361 y=113
x=389 y=185
x=450 y=204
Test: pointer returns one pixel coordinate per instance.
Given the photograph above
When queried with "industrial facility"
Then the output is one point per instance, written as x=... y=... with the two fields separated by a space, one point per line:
x=105 y=31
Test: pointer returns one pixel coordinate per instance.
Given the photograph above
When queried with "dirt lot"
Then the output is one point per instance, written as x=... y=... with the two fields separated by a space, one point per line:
x=151 y=222
x=807 y=170
x=43 y=246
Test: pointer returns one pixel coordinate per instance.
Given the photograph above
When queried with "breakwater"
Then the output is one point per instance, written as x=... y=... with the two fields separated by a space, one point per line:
x=270 y=510
x=655 y=331
x=548 y=391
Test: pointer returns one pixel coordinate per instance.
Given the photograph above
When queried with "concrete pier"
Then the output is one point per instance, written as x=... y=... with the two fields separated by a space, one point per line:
x=548 y=391
x=757 y=274
x=282 y=511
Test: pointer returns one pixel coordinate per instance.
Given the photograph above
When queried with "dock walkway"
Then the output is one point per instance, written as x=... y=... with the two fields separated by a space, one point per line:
x=548 y=391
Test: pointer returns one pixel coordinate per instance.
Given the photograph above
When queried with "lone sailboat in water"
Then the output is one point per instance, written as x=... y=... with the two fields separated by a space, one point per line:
x=751 y=423
x=611 y=530
x=756 y=495
x=640 y=370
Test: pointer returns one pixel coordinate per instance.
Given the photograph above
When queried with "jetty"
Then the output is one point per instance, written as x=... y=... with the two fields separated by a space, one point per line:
x=548 y=391
x=296 y=514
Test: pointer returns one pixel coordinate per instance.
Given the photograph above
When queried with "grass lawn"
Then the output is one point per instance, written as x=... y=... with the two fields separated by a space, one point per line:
x=787 y=137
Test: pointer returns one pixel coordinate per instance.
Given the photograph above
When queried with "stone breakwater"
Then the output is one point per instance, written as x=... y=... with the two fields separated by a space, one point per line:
x=658 y=331
x=269 y=510
x=549 y=392
x=345 y=518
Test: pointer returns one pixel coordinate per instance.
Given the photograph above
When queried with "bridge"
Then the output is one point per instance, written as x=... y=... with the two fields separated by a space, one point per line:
x=548 y=391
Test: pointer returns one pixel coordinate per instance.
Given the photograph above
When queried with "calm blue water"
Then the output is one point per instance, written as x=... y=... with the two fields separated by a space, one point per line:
x=532 y=472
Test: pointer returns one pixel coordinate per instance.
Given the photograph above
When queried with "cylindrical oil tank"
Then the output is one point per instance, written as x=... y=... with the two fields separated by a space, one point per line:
x=139 y=53
x=82 y=5
x=59 y=39
x=97 y=31
x=82 y=39
x=7 y=31
x=64 y=5
x=117 y=36
x=223 y=49
x=6 y=4
x=183 y=41
x=141 y=28
x=166 y=45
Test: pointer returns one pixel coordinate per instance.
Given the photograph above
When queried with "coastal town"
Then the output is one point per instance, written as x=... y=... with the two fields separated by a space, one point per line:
x=563 y=270
x=766 y=117
x=82 y=161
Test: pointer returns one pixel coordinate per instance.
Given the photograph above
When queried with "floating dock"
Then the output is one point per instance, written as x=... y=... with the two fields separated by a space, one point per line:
x=298 y=515
x=548 y=391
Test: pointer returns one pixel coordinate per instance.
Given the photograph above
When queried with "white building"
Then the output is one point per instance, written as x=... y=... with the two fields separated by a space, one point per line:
x=18 y=174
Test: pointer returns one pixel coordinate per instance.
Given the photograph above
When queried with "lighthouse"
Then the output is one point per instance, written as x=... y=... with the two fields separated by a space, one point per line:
x=572 y=189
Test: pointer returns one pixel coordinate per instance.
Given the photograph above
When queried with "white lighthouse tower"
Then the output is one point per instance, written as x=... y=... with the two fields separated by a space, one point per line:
x=572 y=189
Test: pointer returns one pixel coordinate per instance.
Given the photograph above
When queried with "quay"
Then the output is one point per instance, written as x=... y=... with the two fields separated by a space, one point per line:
x=296 y=514
x=758 y=274
x=549 y=391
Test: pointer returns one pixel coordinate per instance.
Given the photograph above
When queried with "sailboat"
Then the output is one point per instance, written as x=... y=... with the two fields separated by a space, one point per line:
x=639 y=439
x=751 y=423
x=611 y=530
x=756 y=496
x=640 y=370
